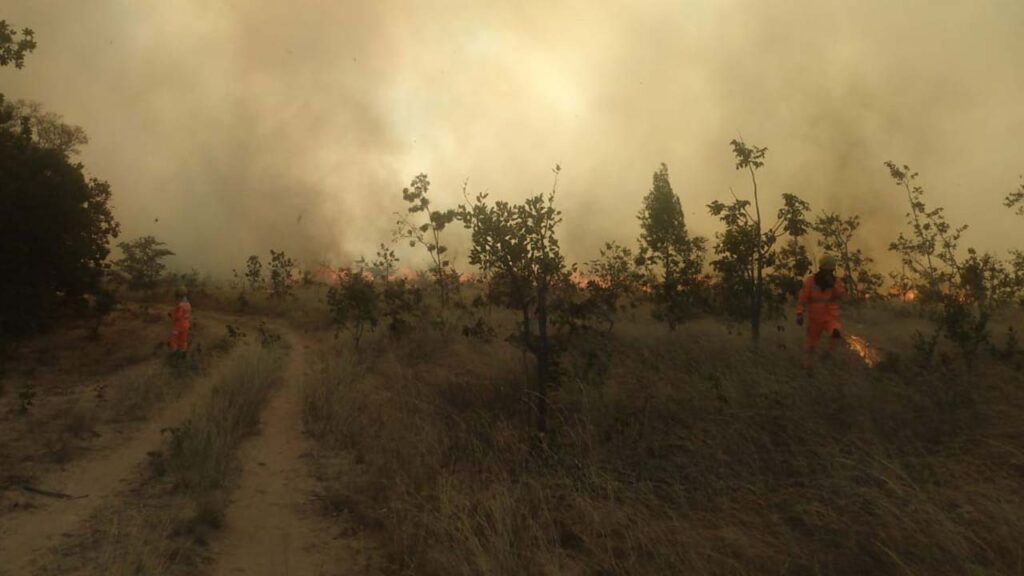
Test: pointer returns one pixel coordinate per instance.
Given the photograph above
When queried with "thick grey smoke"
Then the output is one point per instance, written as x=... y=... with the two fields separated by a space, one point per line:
x=249 y=125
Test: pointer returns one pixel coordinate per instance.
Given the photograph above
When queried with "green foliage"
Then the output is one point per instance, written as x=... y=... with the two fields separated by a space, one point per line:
x=929 y=251
x=282 y=269
x=12 y=48
x=790 y=265
x=353 y=304
x=55 y=227
x=191 y=280
x=836 y=233
x=961 y=293
x=746 y=252
x=141 y=263
x=400 y=301
x=516 y=248
x=48 y=129
x=666 y=248
x=254 y=272
x=1015 y=199
x=428 y=235
x=615 y=283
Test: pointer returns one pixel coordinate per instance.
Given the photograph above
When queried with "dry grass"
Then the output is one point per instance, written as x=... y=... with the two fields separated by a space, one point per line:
x=676 y=453
x=162 y=525
x=84 y=403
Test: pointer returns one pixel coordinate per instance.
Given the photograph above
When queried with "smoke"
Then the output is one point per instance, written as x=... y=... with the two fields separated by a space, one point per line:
x=228 y=128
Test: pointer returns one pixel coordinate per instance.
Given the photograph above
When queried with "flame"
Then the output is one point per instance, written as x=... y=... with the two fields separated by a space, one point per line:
x=909 y=296
x=862 y=348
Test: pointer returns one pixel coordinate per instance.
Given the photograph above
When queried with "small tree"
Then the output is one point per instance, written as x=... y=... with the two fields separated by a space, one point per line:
x=836 y=233
x=142 y=262
x=516 y=247
x=789 y=266
x=1015 y=200
x=615 y=282
x=960 y=292
x=400 y=301
x=352 y=304
x=282 y=268
x=667 y=248
x=254 y=272
x=747 y=247
x=929 y=252
x=428 y=235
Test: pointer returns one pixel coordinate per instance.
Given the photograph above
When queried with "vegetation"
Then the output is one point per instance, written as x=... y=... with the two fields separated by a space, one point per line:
x=56 y=226
x=615 y=284
x=13 y=48
x=835 y=237
x=666 y=248
x=692 y=454
x=515 y=245
x=282 y=272
x=142 y=262
x=428 y=235
x=747 y=250
x=352 y=304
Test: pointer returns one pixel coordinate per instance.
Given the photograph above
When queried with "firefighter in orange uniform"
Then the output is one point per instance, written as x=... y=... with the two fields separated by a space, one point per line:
x=182 y=318
x=819 y=298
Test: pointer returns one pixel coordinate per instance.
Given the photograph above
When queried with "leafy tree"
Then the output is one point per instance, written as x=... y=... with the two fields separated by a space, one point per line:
x=962 y=293
x=254 y=272
x=615 y=283
x=282 y=268
x=48 y=129
x=428 y=235
x=142 y=263
x=1015 y=199
x=790 y=265
x=929 y=251
x=747 y=248
x=55 y=226
x=667 y=248
x=353 y=304
x=399 y=300
x=836 y=233
x=12 y=48
x=516 y=247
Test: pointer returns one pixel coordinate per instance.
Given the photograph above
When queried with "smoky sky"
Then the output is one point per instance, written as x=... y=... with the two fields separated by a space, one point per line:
x=232 y=127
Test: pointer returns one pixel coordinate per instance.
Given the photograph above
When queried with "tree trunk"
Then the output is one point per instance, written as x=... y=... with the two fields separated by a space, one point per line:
x=543 y=358
x=755 y=313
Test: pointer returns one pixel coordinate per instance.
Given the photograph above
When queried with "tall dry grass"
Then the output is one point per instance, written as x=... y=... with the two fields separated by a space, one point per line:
x=162 y=524
x=673 y=453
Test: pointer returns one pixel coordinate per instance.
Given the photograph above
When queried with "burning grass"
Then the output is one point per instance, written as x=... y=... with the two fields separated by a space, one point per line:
x=688 y=453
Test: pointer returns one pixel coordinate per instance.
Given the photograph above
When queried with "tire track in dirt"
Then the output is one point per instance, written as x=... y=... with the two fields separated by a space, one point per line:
x=272 y=526
x=25 y=536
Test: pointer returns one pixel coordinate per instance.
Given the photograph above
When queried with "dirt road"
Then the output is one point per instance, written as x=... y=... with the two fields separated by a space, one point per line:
x=272 y=526
x=26 y=535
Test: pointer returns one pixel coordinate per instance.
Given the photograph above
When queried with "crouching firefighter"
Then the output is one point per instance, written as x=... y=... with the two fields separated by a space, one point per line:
x=819 y=299
x=181 y=316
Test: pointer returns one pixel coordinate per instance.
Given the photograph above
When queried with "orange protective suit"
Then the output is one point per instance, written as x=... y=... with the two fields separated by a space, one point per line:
x=821 y=308
x=182 y=317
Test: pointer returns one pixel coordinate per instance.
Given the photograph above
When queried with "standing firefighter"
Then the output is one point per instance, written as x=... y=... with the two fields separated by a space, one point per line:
x=182 y=318
x=819 y=297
